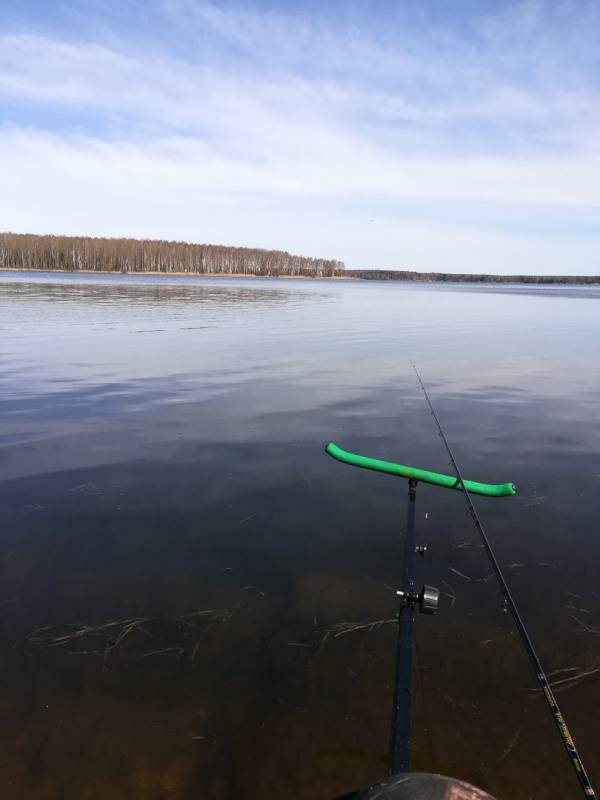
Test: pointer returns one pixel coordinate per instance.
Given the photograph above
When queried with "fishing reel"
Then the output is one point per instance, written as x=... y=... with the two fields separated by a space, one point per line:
x=427 y=599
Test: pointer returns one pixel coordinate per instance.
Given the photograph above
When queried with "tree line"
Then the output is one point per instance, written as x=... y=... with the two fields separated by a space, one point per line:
x=72 y=253
x=449 y=277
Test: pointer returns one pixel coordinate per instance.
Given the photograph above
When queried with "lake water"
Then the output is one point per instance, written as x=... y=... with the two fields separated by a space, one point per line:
x=175 y=545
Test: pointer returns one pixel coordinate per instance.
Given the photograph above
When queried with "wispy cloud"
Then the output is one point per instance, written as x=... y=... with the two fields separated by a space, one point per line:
x=408 y=144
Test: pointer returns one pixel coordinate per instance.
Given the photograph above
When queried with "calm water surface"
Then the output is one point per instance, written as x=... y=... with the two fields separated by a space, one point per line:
x=176 y=549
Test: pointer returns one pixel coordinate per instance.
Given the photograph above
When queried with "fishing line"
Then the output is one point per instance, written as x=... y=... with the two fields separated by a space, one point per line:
x=511 y=606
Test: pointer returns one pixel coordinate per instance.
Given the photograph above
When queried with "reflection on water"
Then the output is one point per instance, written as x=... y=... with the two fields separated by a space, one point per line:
x=144 y=291
x=169 y=521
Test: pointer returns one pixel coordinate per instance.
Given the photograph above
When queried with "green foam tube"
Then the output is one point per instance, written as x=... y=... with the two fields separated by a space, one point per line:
x=424 y=475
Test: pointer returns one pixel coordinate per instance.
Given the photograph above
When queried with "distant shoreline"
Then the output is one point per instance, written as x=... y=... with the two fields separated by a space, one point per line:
x=407 y=276
x=396 y=276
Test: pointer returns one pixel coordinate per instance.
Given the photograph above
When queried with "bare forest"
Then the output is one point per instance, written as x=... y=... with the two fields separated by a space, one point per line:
x=72 y=253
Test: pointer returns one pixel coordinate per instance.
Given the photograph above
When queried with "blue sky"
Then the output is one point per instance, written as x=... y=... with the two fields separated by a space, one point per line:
x=458 y=136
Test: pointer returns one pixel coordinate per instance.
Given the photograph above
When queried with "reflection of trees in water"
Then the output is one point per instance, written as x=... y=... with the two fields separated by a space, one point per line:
x=134 y=292
x=28 y=251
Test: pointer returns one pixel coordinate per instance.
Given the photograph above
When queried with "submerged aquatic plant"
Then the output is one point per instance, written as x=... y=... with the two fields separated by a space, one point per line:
x=180 y=636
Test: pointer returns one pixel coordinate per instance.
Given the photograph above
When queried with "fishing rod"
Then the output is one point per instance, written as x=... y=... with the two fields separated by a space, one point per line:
x=510 y=604
x=403 y=784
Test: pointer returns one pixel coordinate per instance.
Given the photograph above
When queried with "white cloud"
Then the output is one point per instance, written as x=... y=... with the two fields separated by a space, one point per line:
x=176 y=189
x=132 y=141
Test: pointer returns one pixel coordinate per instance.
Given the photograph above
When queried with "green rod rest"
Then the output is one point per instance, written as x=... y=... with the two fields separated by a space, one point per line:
x=416 y=474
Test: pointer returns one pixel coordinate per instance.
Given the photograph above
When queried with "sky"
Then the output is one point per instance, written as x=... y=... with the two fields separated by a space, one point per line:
x=457 y=136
